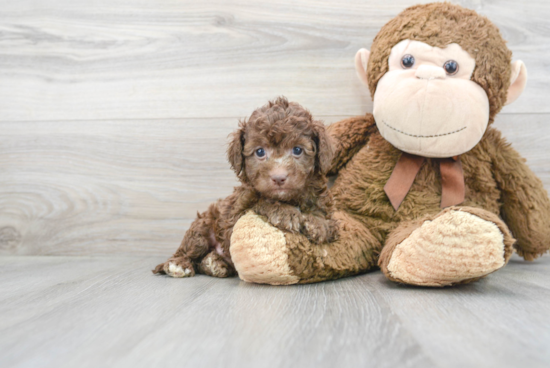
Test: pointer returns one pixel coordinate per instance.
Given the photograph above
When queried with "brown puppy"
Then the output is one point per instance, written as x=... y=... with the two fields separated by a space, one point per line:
x=281 y=156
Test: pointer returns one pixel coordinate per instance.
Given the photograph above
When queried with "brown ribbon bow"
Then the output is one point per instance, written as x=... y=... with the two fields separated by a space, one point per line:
x=404 y=173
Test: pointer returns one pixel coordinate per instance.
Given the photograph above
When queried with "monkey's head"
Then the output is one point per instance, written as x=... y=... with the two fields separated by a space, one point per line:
x=438 y=74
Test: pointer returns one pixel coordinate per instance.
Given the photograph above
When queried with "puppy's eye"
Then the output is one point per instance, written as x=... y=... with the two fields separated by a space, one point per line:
x=297 y=151
x=260 y=152
x=407 y=61
x=451 y=67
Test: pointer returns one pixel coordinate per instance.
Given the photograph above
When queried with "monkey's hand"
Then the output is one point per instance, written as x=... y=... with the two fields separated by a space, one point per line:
x=319 y=229
x=525 y=203
x=281 y=215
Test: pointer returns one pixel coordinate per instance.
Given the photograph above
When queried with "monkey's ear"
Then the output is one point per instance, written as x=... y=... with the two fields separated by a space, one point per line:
x=518 y=80
x=235 y=150
x=325 y=151
x=361 y=61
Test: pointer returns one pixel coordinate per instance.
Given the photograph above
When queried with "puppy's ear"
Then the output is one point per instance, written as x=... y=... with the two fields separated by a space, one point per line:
x=325 y=151
x=235 y=149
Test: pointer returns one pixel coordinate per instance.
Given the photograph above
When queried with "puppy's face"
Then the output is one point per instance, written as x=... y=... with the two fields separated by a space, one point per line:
x=279 y=151
x=279 y=170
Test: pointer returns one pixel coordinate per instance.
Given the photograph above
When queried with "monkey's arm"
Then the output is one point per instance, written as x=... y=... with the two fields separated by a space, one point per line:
x=526 y=207
x=349 y=136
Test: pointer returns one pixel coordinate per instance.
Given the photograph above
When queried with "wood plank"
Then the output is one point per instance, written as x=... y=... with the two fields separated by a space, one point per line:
x=140 y=182
x=492 y=323
x=115 y=59
x=133 y=187
x=111 y=311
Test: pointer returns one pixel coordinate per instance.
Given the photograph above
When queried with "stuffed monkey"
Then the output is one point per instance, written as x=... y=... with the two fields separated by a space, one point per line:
x=427 y=189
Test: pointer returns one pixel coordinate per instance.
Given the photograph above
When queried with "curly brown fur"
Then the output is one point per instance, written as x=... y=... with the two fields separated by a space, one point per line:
x=281 y=156
x=348 y=137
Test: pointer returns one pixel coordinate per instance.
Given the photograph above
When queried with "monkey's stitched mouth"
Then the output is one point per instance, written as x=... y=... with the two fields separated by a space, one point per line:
x=423 y=136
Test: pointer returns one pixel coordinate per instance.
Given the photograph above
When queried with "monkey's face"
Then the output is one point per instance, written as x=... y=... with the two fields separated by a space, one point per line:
x=426 y=104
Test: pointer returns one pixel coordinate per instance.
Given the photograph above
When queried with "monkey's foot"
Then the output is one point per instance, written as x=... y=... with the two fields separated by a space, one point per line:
x=459 y=245
x=176 y=267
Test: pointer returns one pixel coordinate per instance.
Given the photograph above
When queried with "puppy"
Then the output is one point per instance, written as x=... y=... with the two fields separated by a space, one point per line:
x=281 y=156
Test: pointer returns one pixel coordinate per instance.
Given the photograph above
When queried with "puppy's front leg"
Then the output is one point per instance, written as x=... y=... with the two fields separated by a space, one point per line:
x=176 y=267
x=280 y=215
x=319 y=229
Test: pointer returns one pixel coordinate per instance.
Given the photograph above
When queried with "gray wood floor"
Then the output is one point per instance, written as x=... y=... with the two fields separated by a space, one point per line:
x=112 y=312
x=113 y=123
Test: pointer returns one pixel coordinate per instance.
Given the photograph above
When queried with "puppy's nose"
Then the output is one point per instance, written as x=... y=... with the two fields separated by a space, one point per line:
x=279 y=178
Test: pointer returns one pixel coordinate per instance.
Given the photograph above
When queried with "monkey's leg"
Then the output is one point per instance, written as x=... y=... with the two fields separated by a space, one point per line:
x=456 y=246
x=264 y=254
x=194 y=246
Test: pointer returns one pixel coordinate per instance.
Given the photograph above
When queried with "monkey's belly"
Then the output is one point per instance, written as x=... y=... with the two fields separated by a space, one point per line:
x=359 y=188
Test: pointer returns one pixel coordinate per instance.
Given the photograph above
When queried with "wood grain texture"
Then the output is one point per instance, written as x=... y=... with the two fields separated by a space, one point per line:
x=138 y=183
x=134 y=187
x=96 y=312
x=118 y=59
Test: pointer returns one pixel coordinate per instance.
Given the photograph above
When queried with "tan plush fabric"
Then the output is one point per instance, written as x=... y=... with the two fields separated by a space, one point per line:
x=259 y=252
x=451 y=248
x=423 y=111
x=518 y=81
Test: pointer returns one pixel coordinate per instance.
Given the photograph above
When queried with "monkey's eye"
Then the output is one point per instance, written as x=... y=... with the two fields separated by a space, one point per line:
x=260 y=152
x=407 y=61
x=451 y=67
x=297 y=151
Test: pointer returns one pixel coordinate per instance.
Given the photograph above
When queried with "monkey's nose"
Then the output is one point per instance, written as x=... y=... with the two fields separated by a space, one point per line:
x=279 y=179
x=430 y=72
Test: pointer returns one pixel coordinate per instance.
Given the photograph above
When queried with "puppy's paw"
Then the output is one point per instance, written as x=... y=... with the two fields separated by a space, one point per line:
x=288 y=220
x=176 y=267
x=319 y=230
x=214 y=265
x=176 y=270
